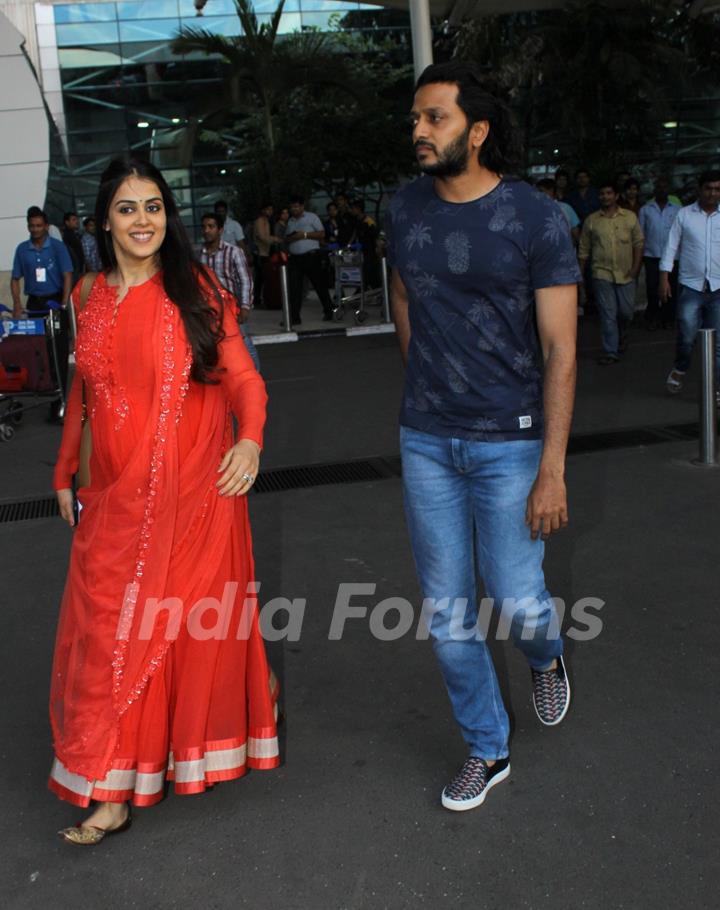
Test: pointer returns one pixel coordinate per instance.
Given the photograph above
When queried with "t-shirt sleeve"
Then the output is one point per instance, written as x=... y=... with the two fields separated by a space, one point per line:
x=17 y=271
x=551 y=255
x=64 y=258
x=317 y=225
x=672 y=245
x=389 y=238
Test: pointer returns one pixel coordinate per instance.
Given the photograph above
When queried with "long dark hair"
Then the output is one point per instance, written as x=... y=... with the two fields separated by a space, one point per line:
x=187 y=282
x=501 y=152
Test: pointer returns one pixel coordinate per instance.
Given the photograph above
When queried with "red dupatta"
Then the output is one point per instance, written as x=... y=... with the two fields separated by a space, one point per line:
x=136 y=541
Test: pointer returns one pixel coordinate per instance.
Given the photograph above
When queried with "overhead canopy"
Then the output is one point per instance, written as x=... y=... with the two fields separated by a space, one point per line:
x=472 y=9
x=459 y=10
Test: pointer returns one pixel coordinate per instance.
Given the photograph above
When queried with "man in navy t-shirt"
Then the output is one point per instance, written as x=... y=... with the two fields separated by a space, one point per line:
x=485 y=307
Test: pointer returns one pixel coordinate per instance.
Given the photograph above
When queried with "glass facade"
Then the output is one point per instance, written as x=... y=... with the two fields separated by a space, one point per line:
x=123 y=89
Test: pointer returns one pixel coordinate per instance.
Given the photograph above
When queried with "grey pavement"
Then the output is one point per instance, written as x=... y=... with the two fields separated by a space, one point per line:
x=616 y=808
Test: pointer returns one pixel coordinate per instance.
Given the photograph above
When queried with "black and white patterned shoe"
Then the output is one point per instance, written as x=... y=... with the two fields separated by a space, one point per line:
x=470 y=785
x=551 y=694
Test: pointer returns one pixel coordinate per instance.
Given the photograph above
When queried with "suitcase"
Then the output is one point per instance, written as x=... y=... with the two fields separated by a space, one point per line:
x=272 y=289
x=29 y=352
x=13 y=379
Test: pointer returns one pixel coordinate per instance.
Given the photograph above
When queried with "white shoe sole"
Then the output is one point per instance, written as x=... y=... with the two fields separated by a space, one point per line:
x=456 y=805
x=554 y=723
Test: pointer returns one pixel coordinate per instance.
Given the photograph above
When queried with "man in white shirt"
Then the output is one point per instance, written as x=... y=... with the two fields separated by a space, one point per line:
x=304 y=233
x=232 y=230
x=656 y=218
x=694 y=240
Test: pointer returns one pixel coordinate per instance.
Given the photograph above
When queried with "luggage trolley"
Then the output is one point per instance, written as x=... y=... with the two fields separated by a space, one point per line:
x=29 y=374
x=348 y=265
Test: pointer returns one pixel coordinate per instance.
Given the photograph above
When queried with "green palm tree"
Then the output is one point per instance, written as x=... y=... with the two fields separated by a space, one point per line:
x=264 y=68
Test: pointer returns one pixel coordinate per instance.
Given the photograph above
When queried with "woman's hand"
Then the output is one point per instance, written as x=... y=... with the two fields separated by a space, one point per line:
x=239 y=468
x=65 y=502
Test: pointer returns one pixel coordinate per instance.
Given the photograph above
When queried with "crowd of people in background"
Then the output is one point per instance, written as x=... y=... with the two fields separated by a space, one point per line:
x=304 y=241
x=621 y=236
x=673 y=243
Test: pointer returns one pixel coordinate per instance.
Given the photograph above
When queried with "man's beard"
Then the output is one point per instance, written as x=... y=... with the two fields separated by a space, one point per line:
x=452 y=161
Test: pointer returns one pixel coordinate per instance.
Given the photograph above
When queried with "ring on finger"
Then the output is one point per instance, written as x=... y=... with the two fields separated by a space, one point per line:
x=248 y=478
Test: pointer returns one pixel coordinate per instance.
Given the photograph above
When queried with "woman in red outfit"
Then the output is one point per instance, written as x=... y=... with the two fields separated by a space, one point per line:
x=160 y=670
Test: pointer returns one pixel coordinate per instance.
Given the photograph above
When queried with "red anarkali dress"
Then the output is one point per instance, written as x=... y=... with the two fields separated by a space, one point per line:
x=151 y=680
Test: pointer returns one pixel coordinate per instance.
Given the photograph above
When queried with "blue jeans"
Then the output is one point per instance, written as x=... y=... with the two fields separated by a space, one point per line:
x=696 y=310
x=252 y=350
x=616 y=303
x=465 y=504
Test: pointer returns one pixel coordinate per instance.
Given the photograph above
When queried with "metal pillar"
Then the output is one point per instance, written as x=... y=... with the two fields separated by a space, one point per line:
x=708 y=409
x=285 y=298
x=386 y=291
x=421 y=34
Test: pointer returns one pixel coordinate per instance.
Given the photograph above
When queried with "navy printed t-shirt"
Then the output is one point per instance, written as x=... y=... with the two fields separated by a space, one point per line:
x=471 y=269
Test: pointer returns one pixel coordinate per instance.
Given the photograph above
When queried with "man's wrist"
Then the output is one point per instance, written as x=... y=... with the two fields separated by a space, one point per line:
x=552 y=469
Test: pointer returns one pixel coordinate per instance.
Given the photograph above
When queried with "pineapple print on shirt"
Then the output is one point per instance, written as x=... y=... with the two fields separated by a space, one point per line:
x=457 y=245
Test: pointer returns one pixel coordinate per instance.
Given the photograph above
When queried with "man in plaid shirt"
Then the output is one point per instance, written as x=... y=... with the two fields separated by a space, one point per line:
x=230 y=266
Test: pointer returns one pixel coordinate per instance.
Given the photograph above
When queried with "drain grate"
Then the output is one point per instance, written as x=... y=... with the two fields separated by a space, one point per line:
x=585 y=443
x=274 y=480
x=28 y=509
x=277 y=480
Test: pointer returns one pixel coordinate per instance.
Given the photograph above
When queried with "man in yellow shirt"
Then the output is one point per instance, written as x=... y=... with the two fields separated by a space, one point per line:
x=612 y=239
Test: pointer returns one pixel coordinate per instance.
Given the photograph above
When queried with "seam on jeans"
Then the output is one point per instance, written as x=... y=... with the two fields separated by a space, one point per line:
x=491 y=666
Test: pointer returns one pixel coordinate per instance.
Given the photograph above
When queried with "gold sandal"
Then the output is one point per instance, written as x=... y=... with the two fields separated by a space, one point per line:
x=88 y=836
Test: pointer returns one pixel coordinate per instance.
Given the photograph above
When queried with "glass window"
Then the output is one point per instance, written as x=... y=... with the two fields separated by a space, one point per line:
x=82 y=58
x=87 y=34
x=84 y=12
x=148 y=9
x=331 y=6
x=289 y=22
x=324 y=21
x=86 y=148
x=217 y=25
x=213 y=8
x=148 y=52
x=149 y=29
x=96 y=81
x=269 y=6
x=178 y=179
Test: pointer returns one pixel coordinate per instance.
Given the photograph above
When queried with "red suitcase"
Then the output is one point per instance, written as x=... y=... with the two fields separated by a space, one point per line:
x=29 y=352
x=13 y=379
